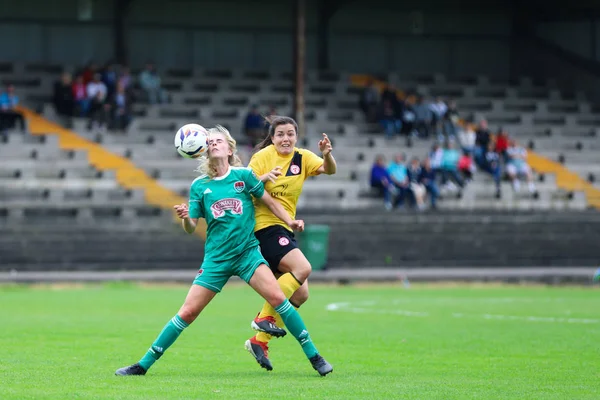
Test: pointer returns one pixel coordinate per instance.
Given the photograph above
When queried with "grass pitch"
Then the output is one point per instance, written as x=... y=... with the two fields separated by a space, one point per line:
x=385 y=342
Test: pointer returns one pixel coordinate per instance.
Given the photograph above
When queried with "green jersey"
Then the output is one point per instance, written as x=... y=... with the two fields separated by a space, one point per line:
x=226 y=204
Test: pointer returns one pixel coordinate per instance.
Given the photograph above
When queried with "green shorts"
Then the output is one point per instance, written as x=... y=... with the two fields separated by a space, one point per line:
x=213 y=275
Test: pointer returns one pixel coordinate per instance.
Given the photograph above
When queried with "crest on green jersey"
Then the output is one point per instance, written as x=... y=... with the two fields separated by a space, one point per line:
x=239 y=186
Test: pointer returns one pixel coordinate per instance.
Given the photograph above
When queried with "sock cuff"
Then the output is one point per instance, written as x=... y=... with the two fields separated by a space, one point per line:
x=294 y=276
x=179 y=322
x=283 y=307
x=295 y=305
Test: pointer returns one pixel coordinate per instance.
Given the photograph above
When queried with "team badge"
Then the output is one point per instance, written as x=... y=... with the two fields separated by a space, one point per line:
x=294 y=169
x=200 y=271
x=239 y=186
x=283 y=241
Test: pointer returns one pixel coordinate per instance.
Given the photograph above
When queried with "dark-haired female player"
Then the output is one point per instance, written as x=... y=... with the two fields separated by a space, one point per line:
x=283 y=168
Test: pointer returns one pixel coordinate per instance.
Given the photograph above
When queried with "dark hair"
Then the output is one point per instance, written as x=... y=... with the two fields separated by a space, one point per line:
x=274 y=121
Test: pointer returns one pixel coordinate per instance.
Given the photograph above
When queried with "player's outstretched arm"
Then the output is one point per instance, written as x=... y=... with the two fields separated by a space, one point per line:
x=329 y=166
x=188 y=224
x=278 y=210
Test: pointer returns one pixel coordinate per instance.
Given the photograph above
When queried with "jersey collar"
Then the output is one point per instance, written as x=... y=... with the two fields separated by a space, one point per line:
x=219 y=178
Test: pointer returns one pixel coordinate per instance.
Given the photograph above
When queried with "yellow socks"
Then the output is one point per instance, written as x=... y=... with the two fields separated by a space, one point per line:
x=288 y=284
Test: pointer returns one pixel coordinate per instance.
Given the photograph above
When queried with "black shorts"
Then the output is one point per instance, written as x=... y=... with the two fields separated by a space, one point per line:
x=275 y=242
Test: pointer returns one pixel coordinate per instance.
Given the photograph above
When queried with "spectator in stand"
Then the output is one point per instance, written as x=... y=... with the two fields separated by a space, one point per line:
x=406 y=113
x=254 y=126
x=399 y=175
x=423 y=117
x=517 y=167
x=120 y=108
x=400 y=110
x=381 y=182
x=151 y=84
x=427 y=179
x=99 y=113
x=466 y=166
x=109 y=78
x=502 y=144
x=468 y=138
x=89 y=72
x=482 y=140
x=96 y=89
x=491 y=165
x=417 y=190
x=451 y=119
x=9 y=116
x=388 y=119
x=62 y=97
x=436 y=157
x=369 y=101
x=450 y=166
x=125 y=78
x=82 y=103
x=438 y=111
x=390 y=94
x=439 y=108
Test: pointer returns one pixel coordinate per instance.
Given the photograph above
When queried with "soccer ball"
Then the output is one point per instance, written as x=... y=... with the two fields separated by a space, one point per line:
x=191 y=140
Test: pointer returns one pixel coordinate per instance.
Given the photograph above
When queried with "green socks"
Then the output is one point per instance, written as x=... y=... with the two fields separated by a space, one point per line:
x=176 y=325
x=167 y=337
x=296 y=326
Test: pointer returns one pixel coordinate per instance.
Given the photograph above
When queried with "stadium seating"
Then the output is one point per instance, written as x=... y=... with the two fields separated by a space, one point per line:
x=556 y=125
x=331 y=102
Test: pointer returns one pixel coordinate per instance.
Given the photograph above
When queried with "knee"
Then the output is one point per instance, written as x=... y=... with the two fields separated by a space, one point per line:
x=275 y=299
x=189 y=313
x=302 y=272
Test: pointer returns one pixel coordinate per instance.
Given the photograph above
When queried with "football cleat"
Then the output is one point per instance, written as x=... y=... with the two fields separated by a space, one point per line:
x=267 y=325
x=135 y=369
x=321 y=365
x=260 y=352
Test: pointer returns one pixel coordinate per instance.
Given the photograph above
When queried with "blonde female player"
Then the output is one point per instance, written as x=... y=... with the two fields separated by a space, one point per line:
x=283 y=168
x=223 y=196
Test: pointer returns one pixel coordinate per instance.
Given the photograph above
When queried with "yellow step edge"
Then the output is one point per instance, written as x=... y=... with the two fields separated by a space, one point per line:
x=128 y=175
x=565 y=179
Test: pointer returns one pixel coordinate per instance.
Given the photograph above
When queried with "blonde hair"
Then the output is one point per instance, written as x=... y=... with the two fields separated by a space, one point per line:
x=206 y=165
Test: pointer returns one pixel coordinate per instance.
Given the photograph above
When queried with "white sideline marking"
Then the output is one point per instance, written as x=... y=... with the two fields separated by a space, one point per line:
x=532 y=318
x=491 y=300
x=348 y=307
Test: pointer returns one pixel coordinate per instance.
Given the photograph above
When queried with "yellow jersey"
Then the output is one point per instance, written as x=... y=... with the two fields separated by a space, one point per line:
x=295 y=168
